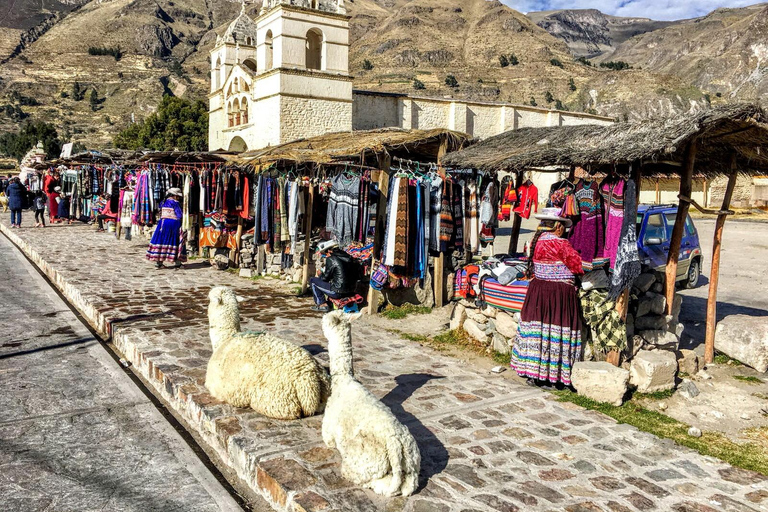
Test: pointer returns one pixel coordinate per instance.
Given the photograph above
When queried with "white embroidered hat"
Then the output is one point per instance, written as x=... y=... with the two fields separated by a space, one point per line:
x=553 y=214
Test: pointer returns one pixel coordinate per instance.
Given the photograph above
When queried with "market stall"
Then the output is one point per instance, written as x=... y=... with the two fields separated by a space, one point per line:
x=725 y=140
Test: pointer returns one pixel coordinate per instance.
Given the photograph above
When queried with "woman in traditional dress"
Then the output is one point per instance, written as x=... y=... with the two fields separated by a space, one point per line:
x=169 y=241
x=549 y=334
x=50 y=182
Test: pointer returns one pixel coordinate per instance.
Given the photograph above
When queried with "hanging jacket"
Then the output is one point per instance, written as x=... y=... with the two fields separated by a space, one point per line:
x=528 y=196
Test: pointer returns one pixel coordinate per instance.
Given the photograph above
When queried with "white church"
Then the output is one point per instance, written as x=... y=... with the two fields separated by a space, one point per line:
x=285 y=76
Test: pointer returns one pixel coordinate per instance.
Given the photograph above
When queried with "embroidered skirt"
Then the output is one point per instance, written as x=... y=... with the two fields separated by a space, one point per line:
x=549 y=334
x=168 y=242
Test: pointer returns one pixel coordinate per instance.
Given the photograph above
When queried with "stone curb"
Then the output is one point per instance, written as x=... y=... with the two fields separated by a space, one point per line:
x=274 y=479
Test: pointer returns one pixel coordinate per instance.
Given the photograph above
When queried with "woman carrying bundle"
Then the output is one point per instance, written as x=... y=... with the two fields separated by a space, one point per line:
x=549 y=334
x=169 y=241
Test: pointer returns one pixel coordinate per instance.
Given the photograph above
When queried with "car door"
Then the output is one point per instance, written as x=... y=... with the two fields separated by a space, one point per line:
x=655 y=243
x=686 y=247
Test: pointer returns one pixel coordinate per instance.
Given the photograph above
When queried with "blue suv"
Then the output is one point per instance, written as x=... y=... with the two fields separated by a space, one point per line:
x=654 y=230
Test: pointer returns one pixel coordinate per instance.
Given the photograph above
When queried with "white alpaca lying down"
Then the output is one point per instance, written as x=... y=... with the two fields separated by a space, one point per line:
x=272 y=376
x=377 y=451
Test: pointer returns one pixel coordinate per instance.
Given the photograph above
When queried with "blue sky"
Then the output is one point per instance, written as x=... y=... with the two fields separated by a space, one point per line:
x=655 y=9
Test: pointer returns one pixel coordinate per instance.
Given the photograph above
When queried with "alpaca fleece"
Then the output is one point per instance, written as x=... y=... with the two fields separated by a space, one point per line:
x=271 y=376
x=377 y=451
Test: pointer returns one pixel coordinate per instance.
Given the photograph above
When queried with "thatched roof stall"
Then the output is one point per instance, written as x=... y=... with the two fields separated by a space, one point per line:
x=363 y=147
x=729 y=139
x=181 y=157
x=659 y=145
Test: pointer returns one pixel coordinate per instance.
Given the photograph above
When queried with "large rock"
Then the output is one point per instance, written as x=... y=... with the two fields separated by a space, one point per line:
x=499 y=343
x=477 y=316
x=458 y=317
x=660 y=339
x=475 y=330
x=490 y=312
x=744 y=338
x=651 y=303
x=687 y=362
x=650 y=323
x=653 y=371
x=644 y=282
x=506 y=325
x=600 y=381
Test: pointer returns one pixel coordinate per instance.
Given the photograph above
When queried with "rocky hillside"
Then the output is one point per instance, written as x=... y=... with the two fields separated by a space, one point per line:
x=412 y=46
x=724 y=53
x=590 y=33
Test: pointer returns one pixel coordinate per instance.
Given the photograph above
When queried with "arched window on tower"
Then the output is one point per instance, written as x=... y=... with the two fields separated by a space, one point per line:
x=268 y=44
x=230 y=116
x=236 y=111
x=217 y=74
x=314 y=47
x=244 y=111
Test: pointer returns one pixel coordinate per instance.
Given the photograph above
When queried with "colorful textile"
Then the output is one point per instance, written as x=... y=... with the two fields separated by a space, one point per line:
x=458 y=217
x=549 y=334
x=608 y=329
x=342 y=208
x=401 y=225
x=510 y=297
x=613 y=199
x=446 y=216
x=169 y=240
x=528 y=196
x=508 y=198
x=588 y=235
x=628 y=266
x=555 y=260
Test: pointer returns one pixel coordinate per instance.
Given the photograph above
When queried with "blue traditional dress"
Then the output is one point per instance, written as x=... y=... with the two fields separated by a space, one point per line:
x=169 y=240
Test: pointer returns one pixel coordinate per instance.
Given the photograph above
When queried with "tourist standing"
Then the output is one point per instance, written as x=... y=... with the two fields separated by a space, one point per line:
x=63 y=211
x=169 y=241
x=38 y=205
x=50 y=182
x=16 y=193
x=549 y=335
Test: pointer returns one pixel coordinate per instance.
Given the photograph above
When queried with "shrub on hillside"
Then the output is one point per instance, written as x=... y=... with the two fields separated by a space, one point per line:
x=451 y=81
x=178 y=124
x=503 y=61
x=616 y=65
x=418 y=84
x=367 y=65
x=117 y=53
x=556 y=62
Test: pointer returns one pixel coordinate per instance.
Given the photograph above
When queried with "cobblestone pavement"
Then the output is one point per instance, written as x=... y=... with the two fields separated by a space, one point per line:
x=76 y=433
x=487 y=443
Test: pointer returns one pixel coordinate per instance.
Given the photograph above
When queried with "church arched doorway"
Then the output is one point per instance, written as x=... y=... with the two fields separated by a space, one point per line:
x=238 y=145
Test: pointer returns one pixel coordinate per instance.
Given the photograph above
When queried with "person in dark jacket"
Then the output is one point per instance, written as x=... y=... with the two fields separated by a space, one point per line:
x=17 y=194
x=339 y=278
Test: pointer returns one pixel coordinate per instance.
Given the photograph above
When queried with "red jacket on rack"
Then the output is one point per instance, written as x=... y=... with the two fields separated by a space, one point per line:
x=528 y=195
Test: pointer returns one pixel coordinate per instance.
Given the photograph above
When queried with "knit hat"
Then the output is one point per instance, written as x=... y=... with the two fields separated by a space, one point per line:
x=175 y=191
x=554 y=214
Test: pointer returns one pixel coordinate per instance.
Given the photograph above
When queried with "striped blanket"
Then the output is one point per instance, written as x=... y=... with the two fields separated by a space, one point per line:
x=508 y=298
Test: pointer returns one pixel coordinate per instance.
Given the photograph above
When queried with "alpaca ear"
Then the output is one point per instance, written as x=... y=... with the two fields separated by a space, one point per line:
x=239 y=298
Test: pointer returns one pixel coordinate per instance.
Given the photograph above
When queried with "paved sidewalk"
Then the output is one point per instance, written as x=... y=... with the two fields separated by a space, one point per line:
x=487 y=443
x=76 y=433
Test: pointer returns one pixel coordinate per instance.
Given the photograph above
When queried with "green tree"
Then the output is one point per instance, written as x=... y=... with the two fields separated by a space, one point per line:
x=78 y=91
x=556 y=62
x=504 y=61
x=451 y=81
x=616 y=65
x=16 y=144
x=533 y=102
x=559 y=105
x=584 y=60
x=513 y=59
x=94 y=100
x=571 y=85
x=178 y=124
x=418 y=84
x=367 y=65
x=548 y=97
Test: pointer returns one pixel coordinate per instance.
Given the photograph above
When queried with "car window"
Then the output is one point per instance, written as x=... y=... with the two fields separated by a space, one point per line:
x=689 y=226
x=655 y=227
x=639 y=224
x=670 y=223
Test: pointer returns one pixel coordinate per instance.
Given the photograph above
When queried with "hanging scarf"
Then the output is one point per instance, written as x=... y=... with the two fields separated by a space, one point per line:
x=628 y=266
x=401 y=226
x=446 y=216
x=458 y=218
x=285 y=235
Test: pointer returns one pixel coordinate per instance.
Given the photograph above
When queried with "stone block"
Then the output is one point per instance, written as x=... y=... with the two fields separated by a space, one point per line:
x=744 y=338
x=600 y=381
x=458 y=317
x=490 y=312
x=477 y=316
x=499 y=343
x=688 y=389
x=651 y=303
x=650 y=323
x=677 y=305
x=506 y=325
x=676 y=328
x=653 y=371
x=246 y=272
x=660 y=339
x=687 y=361
x=475 y=330
x=644 y=282
x=490 y=327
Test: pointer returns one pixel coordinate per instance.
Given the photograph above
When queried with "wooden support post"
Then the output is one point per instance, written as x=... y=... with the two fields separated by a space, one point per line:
x=308 y=240
x=714 y=274
x=261 y=255
x=658 y=193
x=517 y=221
x=686 y=177
x=384 y=163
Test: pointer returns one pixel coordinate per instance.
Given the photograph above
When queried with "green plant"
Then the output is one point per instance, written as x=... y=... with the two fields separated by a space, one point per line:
x=367 y=65
x=94 y=100
x=16 y=144
x=398 y=312
x=418 y=84
x=503 y=61
x=78 y=91
x=571 y=85
x=420 y=338
x=176 y=68
x=178 y=124
x=749 y=379
x=513 y=59
x=708 y=98
x=108 y=120
x=548 y=97
x=502 y=358
x=533 y=102
x=584 y=60
x=656 y=395
x=114 y=52
x=616 y=65
x=451 y=81
x=556 y=62
x=559 y=105
x=721 y=358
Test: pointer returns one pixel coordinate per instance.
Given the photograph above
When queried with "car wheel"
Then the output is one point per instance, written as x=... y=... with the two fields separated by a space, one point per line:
x=694 y=271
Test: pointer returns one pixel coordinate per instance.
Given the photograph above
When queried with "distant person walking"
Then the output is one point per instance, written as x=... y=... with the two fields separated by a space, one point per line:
x=38 y=205
x=16 y=198
x=50 y=182
x=169 y=241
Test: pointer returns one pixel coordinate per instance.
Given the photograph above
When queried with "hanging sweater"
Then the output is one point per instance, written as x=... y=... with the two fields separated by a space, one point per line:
x=342 y=208
x=528 y=196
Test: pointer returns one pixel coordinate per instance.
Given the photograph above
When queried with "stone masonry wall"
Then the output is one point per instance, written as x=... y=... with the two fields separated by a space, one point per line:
x=307 y=117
